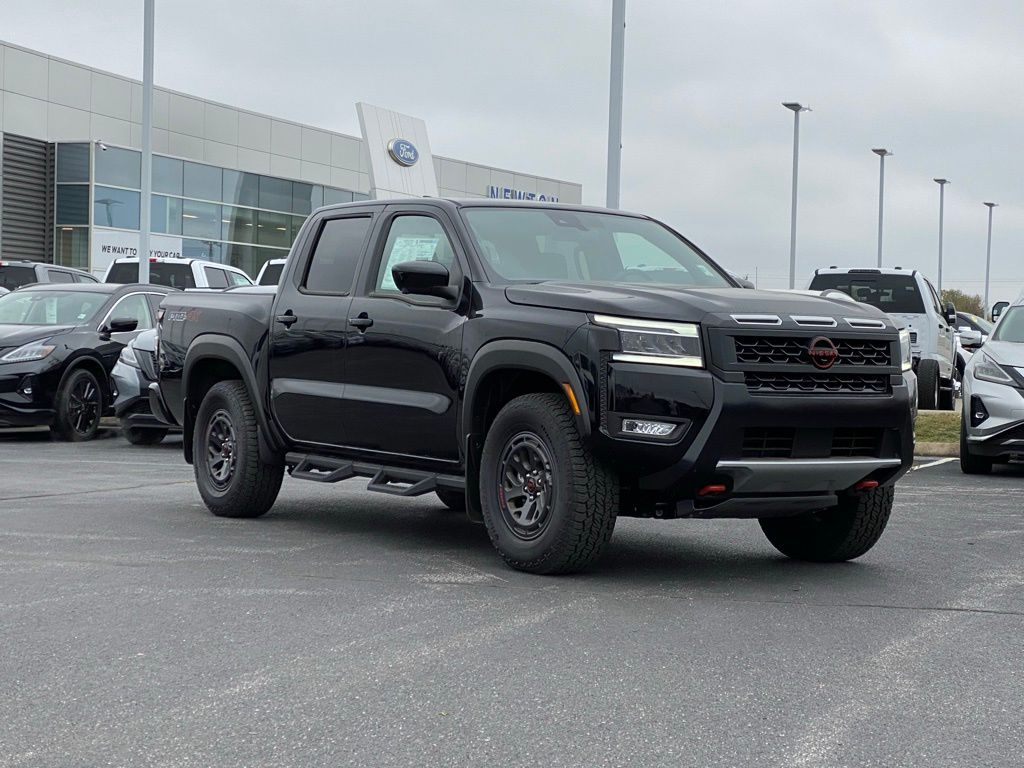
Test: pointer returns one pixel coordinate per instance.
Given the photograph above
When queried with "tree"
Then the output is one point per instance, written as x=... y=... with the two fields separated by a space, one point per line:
x=964 y=302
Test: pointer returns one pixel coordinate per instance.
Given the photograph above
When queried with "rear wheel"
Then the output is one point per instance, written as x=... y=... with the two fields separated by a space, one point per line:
x=138 y=436
x=232 y=478
x=548 y=504
x=79 y=406
x=971 y=464
x=843 y=532
x=454 y=500
x=927 y=385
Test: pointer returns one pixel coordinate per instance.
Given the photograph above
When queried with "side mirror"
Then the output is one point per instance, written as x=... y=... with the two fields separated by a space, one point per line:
x=998 y=309
x=119 y=325
x=950 y=313
x=970 y=339
x=422 y=278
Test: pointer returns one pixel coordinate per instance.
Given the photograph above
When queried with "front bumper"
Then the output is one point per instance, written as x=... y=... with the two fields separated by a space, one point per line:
x=132 y=402
x=26 y=395
x=1002 y=433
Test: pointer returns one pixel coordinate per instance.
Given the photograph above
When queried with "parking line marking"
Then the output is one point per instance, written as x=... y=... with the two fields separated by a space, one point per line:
x=935 y=463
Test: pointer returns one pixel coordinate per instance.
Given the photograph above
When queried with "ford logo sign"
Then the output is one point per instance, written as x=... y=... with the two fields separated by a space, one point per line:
x=403 y=152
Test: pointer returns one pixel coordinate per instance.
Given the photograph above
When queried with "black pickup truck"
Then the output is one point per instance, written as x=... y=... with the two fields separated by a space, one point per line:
x=546 y=368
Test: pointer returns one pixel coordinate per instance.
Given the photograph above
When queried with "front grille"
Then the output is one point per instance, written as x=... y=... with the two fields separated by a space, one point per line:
x=817 y=383
x=785 y=350
x=147 y=362
x=856 y=442
x=768 y=443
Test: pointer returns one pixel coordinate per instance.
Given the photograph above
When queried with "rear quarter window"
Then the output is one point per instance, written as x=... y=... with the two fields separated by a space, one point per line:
x=898 y=294
x=15 y=277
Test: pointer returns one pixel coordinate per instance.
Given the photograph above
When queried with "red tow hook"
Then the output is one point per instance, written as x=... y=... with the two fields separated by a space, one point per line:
x=865 y=485
x=711 y=490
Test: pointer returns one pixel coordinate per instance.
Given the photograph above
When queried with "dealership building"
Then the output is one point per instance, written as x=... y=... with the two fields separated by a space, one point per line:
x=229 y=185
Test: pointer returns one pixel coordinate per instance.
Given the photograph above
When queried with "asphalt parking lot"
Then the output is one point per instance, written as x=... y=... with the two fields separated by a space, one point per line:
x=349 y=628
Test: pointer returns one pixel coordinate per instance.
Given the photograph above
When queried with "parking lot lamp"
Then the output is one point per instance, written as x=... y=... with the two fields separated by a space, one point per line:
x=147 y=140
x=615 y=102
x=882 y=154
x=942 y=203
x=797 y=109
x=988 y=251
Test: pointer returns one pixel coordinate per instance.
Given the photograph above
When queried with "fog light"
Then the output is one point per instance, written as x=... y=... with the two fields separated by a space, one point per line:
x=26 y=391
x=648 y=428
x=978 y=411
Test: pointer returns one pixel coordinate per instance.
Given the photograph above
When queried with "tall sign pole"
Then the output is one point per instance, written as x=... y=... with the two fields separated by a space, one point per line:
x=615 y=102
x=147 y=140
x=942 y=206
x=797 y=109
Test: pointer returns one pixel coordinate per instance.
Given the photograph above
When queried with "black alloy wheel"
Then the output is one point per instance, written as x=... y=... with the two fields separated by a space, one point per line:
x=79 y=407
x=221 y=449
x=526 y=493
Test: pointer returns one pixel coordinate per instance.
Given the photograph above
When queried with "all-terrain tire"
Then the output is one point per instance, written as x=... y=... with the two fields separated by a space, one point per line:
x=79 y=407
x=971 y=465
x=927 y=385
x=584 y=494
x=143 y=436
x=249 y=486
x=843 y=532
x=454 y=500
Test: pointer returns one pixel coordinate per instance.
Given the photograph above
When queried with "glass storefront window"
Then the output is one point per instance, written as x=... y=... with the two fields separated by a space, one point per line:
x=359 y=196
x=275 y=194
x=120 y=167
x=306 y=197
x=241 y=188
x=203 y=181
x=72 y=204
x=72 y=163
x=251 y=258
x=273 y=229
x=239 y=224
x=73 y=247
x=297 y=222
x=167 y=175
x=200 y=219
x=334 y=195
x=202 y=249
x=166 y=215
x=115 y=208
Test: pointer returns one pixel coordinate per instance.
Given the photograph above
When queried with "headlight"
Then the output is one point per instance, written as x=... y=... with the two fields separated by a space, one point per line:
x=905 y=357
x=988 y=369
x=35 y=350
x=654 y=341
x=128 y=357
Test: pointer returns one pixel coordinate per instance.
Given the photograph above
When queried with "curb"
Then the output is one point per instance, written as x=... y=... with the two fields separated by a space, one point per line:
x=939 y=450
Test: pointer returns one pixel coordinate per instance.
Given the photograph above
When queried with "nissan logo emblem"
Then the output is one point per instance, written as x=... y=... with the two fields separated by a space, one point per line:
x=823 y=352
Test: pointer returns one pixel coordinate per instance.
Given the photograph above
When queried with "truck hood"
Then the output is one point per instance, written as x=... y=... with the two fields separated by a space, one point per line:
x=663 y=302
x=17 y=335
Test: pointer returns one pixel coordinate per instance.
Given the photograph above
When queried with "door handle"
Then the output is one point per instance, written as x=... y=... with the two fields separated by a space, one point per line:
x=362 y=322
x=287 y=319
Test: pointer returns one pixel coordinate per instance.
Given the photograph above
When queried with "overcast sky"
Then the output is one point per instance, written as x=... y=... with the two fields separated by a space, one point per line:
x=707 y=145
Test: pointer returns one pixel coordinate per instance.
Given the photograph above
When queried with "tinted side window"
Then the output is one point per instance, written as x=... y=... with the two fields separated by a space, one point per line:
x=56 y=276
x=216 y=277
x=136 y=307
x=237 y=278
x=15 y=277
x=336 y=255
x=85 y=279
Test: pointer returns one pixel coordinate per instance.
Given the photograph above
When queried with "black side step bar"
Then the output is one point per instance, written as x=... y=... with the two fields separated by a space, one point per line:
x=384 y=479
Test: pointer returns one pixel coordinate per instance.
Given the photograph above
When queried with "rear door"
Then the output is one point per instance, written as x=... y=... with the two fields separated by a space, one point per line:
x=945 y=333
x=308 y=327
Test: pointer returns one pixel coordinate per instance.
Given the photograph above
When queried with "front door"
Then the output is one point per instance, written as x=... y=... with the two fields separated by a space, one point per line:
x=308 y=327
x=403 y=358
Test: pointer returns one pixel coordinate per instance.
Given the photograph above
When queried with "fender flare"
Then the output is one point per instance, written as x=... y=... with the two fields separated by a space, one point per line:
x=527 y=355
x=220 y=347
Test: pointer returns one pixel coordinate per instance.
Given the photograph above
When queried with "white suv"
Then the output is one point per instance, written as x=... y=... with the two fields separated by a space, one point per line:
x=911 y=300
x=178 y=273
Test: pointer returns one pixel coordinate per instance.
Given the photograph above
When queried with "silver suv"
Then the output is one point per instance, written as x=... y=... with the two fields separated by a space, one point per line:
x=909 y=298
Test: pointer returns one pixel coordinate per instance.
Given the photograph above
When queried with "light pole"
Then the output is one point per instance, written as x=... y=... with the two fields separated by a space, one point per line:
x=615 y=102
x=797 y=109
x=942 y=204
x=988 y=251
x=147 y=140
x=882 y=154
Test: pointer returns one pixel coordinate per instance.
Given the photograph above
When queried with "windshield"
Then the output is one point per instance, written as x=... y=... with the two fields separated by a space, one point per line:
x=272 y=274
x=49 y=307
x=532 y=244
x=1009 y=328
x=975 y=323
x=890 y=293
x=15 y=277
x=160 y=273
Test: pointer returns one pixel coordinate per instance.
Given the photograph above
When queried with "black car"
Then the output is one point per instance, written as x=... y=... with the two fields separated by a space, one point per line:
x=14 y=274
x=546 y=368
x=131 y=378
x=58 y=344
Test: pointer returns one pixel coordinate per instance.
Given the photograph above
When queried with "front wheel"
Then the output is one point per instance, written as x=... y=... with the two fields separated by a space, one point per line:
x=927 y=385
x=231 y=477
x=548 y=504
x=843 y=532
x=79 y=406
